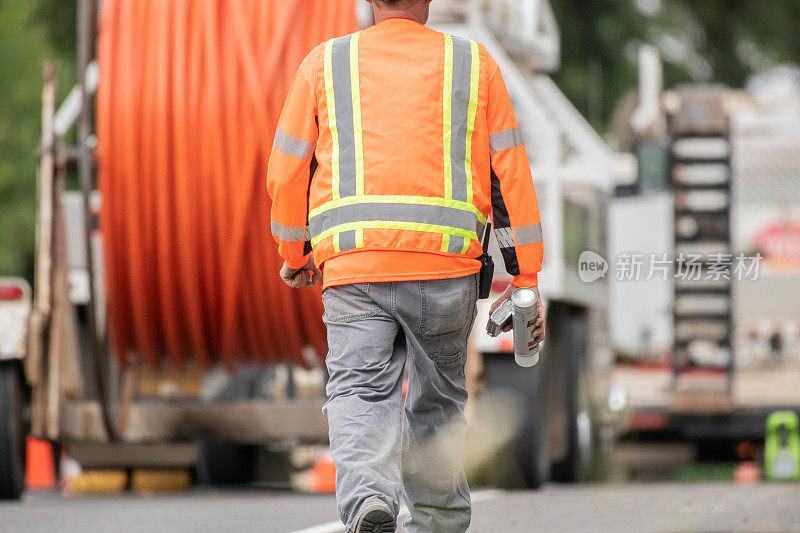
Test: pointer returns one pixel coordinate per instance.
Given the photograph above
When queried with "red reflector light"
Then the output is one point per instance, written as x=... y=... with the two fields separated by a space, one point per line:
x=648 y=421
x=10 y=292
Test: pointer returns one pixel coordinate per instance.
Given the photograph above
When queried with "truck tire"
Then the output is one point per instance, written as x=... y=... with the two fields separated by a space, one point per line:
x=226 y=463
x=575 y=465
x=12 y=432
x=530 y=460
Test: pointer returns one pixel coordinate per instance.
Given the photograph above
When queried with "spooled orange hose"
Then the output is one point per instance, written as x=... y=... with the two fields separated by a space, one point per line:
x=189 y=97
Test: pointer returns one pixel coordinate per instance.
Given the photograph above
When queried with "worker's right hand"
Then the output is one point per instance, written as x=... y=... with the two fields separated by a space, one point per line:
x=538 y=331
x=307 y=276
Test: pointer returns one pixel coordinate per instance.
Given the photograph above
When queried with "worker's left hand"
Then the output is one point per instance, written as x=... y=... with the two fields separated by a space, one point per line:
x=538 y=332
x=307 y=276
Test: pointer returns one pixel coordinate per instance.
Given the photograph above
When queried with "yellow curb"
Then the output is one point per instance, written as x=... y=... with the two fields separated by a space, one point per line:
x=160 y=480
x=98 y=481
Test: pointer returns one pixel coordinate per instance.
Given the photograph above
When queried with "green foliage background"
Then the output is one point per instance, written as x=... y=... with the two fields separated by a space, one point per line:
x=31 y=33
x=701 y=40
x=721 y=41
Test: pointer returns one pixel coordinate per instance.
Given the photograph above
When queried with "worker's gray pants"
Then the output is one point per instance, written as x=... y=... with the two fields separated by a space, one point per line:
x=382 y=450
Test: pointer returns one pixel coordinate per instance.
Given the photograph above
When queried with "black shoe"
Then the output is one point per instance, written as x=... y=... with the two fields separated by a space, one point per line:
x=376 y=520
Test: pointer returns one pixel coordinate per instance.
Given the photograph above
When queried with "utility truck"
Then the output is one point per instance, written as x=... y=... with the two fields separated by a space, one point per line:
x=718 y=352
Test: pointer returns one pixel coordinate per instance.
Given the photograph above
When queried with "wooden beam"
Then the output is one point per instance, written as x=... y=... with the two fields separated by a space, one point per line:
x=245 y=422
x=125 y=455
x=35 y=361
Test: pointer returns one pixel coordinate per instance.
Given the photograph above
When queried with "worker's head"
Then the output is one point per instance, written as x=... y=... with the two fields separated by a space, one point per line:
x=411 y=9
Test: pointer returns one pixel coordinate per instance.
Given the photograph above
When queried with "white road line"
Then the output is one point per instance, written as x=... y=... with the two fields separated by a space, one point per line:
x=327 y=527
x=337 y=527
x=485 y=495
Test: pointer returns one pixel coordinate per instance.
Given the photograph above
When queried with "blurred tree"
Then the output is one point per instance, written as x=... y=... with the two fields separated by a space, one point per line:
x=22 y=51
x=28 y=32
x=59 y=19
x=724 y=41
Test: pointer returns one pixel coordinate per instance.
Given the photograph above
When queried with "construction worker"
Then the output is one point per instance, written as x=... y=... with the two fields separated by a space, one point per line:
x=395 y=145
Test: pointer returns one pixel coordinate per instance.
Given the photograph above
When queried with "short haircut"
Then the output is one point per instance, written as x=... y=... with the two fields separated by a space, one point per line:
x=399 y=3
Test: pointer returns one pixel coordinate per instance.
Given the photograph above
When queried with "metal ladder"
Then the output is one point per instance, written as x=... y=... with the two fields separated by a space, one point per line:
x=700 y=171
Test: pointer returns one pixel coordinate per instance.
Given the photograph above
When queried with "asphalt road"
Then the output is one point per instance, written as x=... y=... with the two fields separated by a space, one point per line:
x=656 y=507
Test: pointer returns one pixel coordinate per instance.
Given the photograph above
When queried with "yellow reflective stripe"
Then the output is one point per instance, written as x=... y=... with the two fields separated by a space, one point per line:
x=359 y=237
x=447 y=114
x=397 y=199
x=446 y=242
x=385 y=224
x=356 y=92
x=466 y=246
x=332 y=118
x=473 y=108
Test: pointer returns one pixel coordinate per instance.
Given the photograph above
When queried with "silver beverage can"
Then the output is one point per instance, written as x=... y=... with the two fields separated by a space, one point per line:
x=526 y=350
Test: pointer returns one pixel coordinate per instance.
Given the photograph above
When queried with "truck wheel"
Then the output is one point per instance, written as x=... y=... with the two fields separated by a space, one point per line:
x=530 y=459
x=12 y=433
x=575 y=466
x=226 y=463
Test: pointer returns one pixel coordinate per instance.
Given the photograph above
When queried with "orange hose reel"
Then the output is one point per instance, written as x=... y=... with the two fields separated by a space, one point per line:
x=189 y=97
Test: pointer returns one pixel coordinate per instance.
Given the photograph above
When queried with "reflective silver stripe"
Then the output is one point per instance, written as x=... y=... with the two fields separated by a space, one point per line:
x=347 y=240
x=518 y=236
x=422 y=214
x=503 y=140
x=459 y=114
x=290 y=233
x=293 y=146
x=343 y=98
x=455 y=244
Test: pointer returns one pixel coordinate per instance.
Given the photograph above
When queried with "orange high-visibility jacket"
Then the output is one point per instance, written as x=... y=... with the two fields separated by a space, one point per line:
x=394 y=146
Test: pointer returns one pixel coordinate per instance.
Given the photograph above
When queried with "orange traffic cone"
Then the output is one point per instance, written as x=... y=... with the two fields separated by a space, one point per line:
x=40 y=470
x=746 y=472
x=322 y=477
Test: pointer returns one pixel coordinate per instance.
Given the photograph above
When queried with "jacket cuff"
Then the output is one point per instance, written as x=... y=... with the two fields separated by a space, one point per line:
x=299 y=263
x=525 y=280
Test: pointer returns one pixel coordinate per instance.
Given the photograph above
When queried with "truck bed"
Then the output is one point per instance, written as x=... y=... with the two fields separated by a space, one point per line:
x=701 y=407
